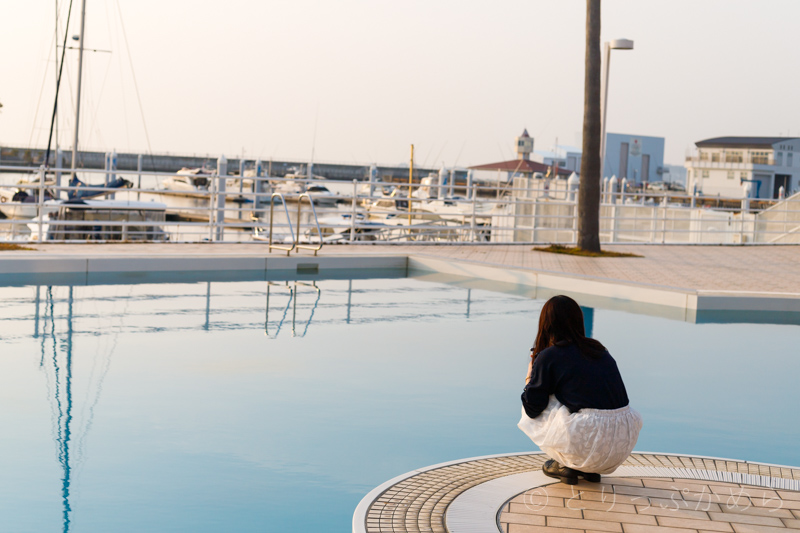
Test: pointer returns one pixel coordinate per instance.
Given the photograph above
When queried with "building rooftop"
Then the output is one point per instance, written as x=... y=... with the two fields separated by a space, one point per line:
x=523 y=166
x=741 y=142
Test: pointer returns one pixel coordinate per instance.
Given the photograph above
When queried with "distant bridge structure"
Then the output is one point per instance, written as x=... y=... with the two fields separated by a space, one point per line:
x=28 y=157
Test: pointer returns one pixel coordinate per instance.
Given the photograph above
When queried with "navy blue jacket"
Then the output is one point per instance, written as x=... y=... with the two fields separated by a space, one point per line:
x=577 y=381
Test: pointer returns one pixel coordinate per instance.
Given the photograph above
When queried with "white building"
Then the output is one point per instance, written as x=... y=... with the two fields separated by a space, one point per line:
x=567 y=157
x=723 y=165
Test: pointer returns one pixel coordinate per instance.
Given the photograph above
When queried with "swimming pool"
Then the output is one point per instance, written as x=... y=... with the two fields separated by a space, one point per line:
x=197 y=407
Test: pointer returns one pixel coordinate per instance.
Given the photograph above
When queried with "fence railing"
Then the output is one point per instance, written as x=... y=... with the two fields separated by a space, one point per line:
x=164 y=207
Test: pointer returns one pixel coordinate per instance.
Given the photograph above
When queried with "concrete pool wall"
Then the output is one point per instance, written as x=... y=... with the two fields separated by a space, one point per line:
x=161 y=264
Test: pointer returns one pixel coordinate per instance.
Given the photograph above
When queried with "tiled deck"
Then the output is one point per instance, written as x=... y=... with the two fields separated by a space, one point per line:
x=651 y=505
x=710 y=268
x=648 y=494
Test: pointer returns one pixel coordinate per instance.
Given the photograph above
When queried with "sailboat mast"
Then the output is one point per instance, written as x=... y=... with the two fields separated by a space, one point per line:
x=78 y=98
x=56 y=64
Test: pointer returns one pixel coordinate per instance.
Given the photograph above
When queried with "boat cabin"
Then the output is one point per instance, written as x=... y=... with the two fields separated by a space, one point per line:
x=107 y=220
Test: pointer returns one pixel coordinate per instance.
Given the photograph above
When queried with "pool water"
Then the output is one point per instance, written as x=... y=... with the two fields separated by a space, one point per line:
x=197 y=407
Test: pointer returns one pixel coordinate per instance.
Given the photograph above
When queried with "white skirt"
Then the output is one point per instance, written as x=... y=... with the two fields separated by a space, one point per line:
x=591 y=440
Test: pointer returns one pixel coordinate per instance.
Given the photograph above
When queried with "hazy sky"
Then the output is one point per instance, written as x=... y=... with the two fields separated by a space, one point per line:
x=458 y=78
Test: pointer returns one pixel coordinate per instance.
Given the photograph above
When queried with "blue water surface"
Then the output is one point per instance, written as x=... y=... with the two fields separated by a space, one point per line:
x=195 y=407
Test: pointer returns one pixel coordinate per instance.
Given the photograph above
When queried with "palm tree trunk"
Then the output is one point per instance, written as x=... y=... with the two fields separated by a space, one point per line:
x=589 y=192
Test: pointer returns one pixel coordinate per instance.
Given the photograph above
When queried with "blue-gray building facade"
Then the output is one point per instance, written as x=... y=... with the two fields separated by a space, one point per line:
x=636 y=157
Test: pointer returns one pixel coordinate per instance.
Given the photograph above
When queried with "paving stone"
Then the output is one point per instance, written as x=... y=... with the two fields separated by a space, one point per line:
x=747 y=519
x=672 y=511
x=599 y=525
x=524 y=518
x=747 y=528
x=517 y=528
x=546 y=511
x=643 y=491
x=688 y=523
x=600 y=506
x=759 y=511
x=611 y=516
x=789 y=495
x=641 y=528
x=614 y=498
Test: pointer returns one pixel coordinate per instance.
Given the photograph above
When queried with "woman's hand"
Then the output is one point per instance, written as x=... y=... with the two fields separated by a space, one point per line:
x=530 y=369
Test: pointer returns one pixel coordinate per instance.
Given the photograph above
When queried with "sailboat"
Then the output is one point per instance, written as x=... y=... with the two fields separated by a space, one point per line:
x=79 y=216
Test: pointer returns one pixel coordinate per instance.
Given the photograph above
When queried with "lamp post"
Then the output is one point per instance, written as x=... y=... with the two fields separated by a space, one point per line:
x=616 y=44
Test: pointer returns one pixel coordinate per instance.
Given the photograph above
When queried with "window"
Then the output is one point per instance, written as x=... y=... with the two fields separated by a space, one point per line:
x=779 y=159
x=705 y=173
x=730 y=174
x=743 y=175
x=760 y=158
x=703 y=156
x=715 y=157
x=733 y=157
x=789 y=159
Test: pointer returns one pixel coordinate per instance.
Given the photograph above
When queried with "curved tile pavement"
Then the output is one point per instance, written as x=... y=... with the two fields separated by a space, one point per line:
x=417 y=502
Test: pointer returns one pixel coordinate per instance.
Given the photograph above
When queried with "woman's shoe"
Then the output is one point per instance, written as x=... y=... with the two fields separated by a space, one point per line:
x=590 y=476
x=553 y=469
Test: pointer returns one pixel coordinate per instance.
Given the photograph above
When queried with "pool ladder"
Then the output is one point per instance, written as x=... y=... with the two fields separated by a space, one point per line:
x=295 y=236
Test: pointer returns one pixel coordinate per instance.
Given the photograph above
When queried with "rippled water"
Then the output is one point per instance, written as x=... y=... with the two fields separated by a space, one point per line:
x=195 y=407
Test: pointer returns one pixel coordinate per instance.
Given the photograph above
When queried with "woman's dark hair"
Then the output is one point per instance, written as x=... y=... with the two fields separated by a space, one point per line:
x=561 y=321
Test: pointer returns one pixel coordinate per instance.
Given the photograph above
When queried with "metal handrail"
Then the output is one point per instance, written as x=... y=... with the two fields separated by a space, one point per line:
x=297 y=244
x=288 y=220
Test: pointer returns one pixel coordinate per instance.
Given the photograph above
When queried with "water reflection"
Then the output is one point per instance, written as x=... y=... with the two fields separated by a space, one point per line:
x=292 y=302
x=588 y=320
x=294 y=308
x=62 y=390
x=289 y=306
x=56 y=362
x=202 y=432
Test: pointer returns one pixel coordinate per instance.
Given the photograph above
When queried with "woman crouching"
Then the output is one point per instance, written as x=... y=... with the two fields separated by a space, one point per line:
x=574 y=406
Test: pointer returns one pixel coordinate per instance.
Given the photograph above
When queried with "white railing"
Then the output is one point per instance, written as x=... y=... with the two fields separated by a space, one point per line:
x=256 y=209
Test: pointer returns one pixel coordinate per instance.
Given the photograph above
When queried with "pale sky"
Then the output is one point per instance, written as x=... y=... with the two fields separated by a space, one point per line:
x=458 y=78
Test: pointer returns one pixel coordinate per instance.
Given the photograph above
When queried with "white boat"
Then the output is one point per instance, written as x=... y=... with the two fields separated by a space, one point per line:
x=337 y=229
x=287 y=186
x=188 y=182
x=322 y=196
x=101 y=220
x=455 y=208
x=196 y=183
x=291 y=186
x=20 y=203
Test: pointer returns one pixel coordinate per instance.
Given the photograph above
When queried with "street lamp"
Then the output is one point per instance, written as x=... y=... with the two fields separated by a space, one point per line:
x=616 y=44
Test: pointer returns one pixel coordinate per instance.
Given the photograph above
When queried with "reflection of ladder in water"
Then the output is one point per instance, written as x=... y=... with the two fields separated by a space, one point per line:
x=292 y=302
